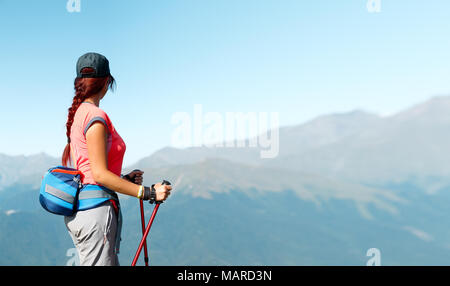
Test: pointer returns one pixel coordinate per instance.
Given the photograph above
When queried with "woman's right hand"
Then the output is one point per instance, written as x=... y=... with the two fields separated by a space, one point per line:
x=162 y=191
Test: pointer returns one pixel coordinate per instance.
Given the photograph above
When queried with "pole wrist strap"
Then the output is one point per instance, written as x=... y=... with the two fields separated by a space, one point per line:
x=153 y=194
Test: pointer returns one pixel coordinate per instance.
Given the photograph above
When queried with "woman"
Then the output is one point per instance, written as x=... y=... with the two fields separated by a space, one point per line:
x=96 y=149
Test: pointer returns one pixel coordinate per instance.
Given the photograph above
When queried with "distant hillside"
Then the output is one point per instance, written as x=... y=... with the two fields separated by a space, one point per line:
x=409 y=146
x=342 y=183
x=293 y=140
x=212 y=176
x=246 y=227
x=24 y=169
x=355 y=146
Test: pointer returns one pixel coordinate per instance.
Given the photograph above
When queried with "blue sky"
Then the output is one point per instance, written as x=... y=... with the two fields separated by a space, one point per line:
x=299 y=58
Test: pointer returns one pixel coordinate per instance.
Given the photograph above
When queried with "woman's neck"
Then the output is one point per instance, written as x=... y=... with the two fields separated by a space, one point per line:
x=93 y=100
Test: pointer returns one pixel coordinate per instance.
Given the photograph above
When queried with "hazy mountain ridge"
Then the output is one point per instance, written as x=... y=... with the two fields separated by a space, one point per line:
x=213 y=176
x=357 y=146
x=365 y=184
x=349 y=146
x=24 y=169
x=405 y=146
x=318 y=132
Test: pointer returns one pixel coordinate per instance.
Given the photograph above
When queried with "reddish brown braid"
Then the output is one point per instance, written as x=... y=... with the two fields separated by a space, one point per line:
x=84 y=89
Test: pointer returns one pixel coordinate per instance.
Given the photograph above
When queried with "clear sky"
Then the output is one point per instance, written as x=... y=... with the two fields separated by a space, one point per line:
x=299 y=58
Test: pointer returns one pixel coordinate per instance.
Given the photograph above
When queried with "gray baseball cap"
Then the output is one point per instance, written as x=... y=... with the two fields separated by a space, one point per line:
x=98 y=62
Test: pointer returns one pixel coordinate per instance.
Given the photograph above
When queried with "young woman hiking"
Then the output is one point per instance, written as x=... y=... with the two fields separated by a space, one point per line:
x=96 y=149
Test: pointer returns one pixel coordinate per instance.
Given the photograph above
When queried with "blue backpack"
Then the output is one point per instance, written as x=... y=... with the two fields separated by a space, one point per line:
x=62 y=192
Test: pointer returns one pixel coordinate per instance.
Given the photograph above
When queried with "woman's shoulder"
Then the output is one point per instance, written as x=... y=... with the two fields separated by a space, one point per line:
x=89 y=109
x=88 y=113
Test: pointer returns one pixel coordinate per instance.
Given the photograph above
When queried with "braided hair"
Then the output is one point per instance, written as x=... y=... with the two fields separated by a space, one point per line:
x=84 y=89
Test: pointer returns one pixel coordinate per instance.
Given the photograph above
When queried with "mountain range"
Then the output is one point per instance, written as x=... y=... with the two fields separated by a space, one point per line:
x=357 y=146
x=341 y=184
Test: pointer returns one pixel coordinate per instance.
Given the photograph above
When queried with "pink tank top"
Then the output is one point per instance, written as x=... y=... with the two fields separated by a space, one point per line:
x=86 y=114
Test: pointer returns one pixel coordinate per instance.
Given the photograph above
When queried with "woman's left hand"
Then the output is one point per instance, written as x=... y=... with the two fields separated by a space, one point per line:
x=135 y=176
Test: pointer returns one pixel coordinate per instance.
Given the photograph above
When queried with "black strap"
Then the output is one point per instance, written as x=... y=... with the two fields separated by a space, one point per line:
x=152 y=195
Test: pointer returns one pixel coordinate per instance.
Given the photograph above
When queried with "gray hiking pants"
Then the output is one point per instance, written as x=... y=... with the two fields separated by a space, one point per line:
x=94 y=234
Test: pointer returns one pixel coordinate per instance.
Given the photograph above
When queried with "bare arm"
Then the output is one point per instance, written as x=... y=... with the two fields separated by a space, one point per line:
x=96 y=142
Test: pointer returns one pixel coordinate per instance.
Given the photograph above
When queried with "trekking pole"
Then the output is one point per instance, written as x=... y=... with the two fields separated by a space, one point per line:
x=143 y=231
x=147 y=230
